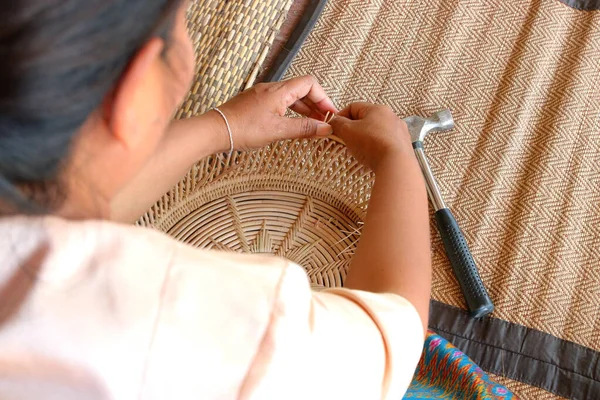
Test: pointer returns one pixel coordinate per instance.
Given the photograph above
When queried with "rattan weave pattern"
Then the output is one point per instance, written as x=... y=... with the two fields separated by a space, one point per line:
x=231 y=38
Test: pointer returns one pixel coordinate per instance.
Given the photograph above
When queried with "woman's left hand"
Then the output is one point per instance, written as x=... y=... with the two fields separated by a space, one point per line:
x=257 y=115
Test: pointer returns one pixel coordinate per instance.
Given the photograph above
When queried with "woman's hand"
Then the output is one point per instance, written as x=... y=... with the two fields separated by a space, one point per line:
x=372 y=133
x=257 y=115
x=394 y=254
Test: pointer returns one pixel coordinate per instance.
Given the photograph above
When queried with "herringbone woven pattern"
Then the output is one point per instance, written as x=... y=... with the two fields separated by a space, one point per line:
x=525 y=391
x=522 y=169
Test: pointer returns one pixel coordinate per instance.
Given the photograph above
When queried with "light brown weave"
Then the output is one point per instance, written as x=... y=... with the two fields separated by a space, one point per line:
x=231 y=39
x=521 y=171
x=303 y=200
x=523 y=390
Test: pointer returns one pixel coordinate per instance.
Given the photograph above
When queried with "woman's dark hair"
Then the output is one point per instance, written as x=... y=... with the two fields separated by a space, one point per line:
x=58 y=61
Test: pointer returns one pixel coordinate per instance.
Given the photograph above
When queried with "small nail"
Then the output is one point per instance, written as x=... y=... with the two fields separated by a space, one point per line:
x=324 y=129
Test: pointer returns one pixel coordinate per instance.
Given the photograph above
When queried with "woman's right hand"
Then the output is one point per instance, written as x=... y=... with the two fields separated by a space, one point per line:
x=372 y=133
x=394 y=254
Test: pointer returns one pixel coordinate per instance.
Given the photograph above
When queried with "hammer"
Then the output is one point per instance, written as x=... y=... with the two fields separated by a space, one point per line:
x=463 y=265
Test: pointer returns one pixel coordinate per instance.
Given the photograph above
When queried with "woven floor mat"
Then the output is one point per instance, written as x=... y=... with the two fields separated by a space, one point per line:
x=231 y=40
x=521 y=170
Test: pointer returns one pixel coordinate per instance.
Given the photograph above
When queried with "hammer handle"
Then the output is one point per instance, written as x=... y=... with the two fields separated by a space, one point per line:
x=464 y=266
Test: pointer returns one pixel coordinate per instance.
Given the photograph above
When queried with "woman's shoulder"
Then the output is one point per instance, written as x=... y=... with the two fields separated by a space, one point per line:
x=133 y=256
x=136 y=292
x=142 y=262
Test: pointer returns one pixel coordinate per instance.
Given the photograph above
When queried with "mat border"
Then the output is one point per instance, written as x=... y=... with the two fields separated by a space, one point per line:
x=284 y=59
x=582 y=5
x=520 y=353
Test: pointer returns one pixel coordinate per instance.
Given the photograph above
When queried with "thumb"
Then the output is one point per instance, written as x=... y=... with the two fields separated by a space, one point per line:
x=304 y=127
x=340 y=125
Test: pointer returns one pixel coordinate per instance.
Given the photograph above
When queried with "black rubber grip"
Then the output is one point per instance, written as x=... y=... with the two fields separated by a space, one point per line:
x=464 y=266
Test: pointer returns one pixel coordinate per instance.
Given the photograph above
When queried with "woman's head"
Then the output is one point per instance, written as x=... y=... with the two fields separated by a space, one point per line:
x=87 y=88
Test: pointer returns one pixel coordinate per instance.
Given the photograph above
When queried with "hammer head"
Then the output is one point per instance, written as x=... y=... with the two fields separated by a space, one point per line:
x=419 y=127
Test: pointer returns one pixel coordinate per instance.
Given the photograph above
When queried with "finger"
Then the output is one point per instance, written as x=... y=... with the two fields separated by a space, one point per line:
x=356 y=110
x=316 y=113
x=293 y=128
x=311 y=110
x=341 y=127
x=308 y=102
x=340 y=124
x=307 y=87
x=311 y=104
x=303 y=109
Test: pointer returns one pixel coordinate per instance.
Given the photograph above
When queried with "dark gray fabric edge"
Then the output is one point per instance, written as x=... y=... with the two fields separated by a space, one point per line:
x=299 y=34
x=582 y=5
x=520 y=353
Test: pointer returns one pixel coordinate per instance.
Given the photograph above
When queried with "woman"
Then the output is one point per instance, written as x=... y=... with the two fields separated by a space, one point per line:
x=96 y=309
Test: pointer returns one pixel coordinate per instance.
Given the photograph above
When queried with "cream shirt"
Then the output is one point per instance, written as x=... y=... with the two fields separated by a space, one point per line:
x=96 y=310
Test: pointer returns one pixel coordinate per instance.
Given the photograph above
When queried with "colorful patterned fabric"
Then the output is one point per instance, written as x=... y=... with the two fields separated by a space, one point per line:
x=444 y=372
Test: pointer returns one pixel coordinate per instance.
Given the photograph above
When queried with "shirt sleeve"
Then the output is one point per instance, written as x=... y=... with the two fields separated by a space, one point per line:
x=338 y=343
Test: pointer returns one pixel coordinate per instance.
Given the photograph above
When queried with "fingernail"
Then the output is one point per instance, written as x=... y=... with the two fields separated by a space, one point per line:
x=324 y=129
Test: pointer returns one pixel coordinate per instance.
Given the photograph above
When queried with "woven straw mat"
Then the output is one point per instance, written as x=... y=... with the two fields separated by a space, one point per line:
x=231 y=39
x=521 y=171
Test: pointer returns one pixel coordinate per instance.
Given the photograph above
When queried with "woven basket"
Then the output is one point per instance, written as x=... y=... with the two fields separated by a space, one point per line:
x=303 y=200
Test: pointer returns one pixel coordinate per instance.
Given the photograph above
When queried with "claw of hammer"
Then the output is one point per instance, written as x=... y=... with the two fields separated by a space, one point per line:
x=419 y=127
